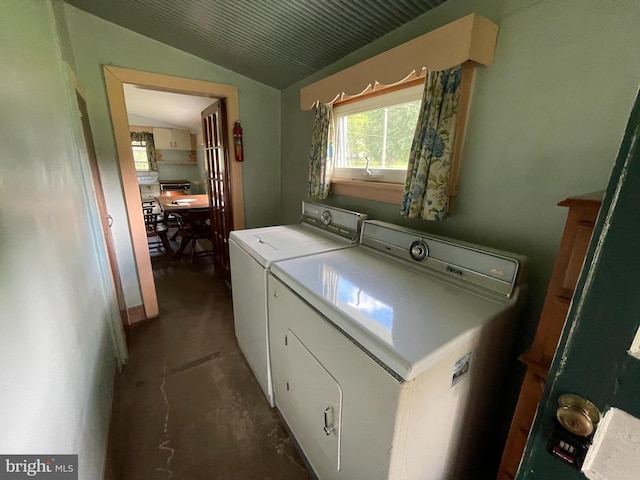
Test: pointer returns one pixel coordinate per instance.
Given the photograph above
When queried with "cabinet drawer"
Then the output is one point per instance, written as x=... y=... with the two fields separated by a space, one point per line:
x=532 y=387
x=581 y=238
x=512 y=454
x=552 y=319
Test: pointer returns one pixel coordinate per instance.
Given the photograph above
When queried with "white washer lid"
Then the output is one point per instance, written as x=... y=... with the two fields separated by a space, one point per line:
x=288 y=238
x=271 y=244
x=407 y=319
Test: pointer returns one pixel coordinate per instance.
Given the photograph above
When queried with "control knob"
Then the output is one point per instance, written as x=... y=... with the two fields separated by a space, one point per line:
x=419 y=250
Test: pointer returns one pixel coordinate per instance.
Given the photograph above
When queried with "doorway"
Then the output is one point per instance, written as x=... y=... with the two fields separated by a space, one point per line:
x=115 y=79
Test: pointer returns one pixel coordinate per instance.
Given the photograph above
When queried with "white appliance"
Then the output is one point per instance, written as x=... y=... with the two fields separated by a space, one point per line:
x=149 y=190
x=386 y=357
x=180 y=185
x=252 y=252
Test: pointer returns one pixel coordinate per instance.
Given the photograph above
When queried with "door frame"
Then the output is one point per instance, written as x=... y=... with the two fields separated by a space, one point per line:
x=95 y=192
x=115 y=78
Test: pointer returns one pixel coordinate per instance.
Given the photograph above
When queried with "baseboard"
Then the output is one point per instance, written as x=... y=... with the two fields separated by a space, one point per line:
x=136 y=314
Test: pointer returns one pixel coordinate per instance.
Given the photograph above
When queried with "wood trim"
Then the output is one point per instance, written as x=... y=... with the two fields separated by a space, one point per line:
x=382 y=90
x=136 y=314
x=131 y=191
x=466 y=90
x=588 y=201
x=380 y=191
x=540 y=368
x=470 y=38
x=113 y=271
x=115 y=77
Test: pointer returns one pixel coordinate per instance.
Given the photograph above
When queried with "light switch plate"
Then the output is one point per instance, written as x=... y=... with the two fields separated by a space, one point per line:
x=634 y=351
x=615 y=453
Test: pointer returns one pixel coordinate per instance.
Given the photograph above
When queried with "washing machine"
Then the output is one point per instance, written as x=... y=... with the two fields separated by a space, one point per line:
x=387 y=358
x=253 y=251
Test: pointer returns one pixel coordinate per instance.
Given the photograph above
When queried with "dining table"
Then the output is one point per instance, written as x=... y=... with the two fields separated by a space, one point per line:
x=183 y=203
x=193 y=211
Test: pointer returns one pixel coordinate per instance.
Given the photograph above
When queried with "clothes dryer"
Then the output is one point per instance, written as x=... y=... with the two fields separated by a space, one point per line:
x=253 y=251
x=387 y=358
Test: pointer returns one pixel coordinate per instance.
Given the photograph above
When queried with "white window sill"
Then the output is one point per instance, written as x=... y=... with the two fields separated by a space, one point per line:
x=379 y=191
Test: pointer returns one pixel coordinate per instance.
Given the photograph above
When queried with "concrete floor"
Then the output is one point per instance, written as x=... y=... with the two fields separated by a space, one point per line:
x=187 y=405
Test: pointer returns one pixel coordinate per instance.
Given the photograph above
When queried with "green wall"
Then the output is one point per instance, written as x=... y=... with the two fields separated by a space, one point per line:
x=545 y=123
x=60 y=328
x=97 y=43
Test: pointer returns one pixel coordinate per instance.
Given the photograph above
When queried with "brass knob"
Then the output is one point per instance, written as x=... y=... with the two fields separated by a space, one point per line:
x=578 y=415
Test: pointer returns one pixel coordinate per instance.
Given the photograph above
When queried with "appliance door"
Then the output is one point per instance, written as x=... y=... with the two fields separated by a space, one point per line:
x=316 y=400
x=249 y=290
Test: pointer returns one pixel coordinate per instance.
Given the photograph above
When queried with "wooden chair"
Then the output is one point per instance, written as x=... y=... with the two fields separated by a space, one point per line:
x=193 y=225
x=157 y=230
x=170 y=219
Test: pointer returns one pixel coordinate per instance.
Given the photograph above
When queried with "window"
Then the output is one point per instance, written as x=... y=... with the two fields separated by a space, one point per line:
x=373 y=136
x=140 y=157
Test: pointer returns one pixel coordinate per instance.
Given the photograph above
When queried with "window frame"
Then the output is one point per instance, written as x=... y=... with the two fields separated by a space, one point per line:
x=388 y=98
x=392 y=192
x=141 y=144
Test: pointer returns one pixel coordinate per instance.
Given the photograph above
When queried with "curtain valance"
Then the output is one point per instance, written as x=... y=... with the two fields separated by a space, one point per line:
x=471 y=38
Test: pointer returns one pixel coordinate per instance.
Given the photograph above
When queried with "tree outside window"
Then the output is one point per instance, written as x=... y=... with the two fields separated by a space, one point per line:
x=140 y=157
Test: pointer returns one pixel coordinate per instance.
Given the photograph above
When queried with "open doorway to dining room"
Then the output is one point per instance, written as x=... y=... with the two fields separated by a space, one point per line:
x=119 y=79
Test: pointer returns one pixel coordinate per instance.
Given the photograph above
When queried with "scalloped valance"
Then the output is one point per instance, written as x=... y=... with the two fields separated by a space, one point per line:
x=471 y=38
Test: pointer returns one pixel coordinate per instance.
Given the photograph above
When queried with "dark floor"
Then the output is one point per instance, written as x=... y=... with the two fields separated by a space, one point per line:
x=187 y=405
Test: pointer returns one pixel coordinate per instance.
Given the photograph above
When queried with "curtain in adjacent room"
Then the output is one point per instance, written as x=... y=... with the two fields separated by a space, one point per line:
x=147 y=138
x=321 y=156
x=426 y=189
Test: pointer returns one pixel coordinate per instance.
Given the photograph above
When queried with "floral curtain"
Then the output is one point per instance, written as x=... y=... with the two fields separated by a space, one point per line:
x=147 y=138
x=321 y=156
x=426 y=189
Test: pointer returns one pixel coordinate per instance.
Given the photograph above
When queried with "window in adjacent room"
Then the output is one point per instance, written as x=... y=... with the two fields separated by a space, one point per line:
x=140 y=156
x=373 y=136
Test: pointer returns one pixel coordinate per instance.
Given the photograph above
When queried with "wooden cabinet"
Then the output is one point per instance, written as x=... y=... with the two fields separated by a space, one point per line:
x=583 y=211
x=171 y=139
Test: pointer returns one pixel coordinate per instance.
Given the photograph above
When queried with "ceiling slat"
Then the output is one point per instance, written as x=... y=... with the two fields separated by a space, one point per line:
x=276 y=42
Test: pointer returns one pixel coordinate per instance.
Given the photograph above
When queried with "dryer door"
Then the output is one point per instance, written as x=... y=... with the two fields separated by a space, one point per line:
x=316 y=399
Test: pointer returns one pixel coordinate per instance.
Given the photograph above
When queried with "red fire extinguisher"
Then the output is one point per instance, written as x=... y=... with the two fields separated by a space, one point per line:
x=237 y=142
